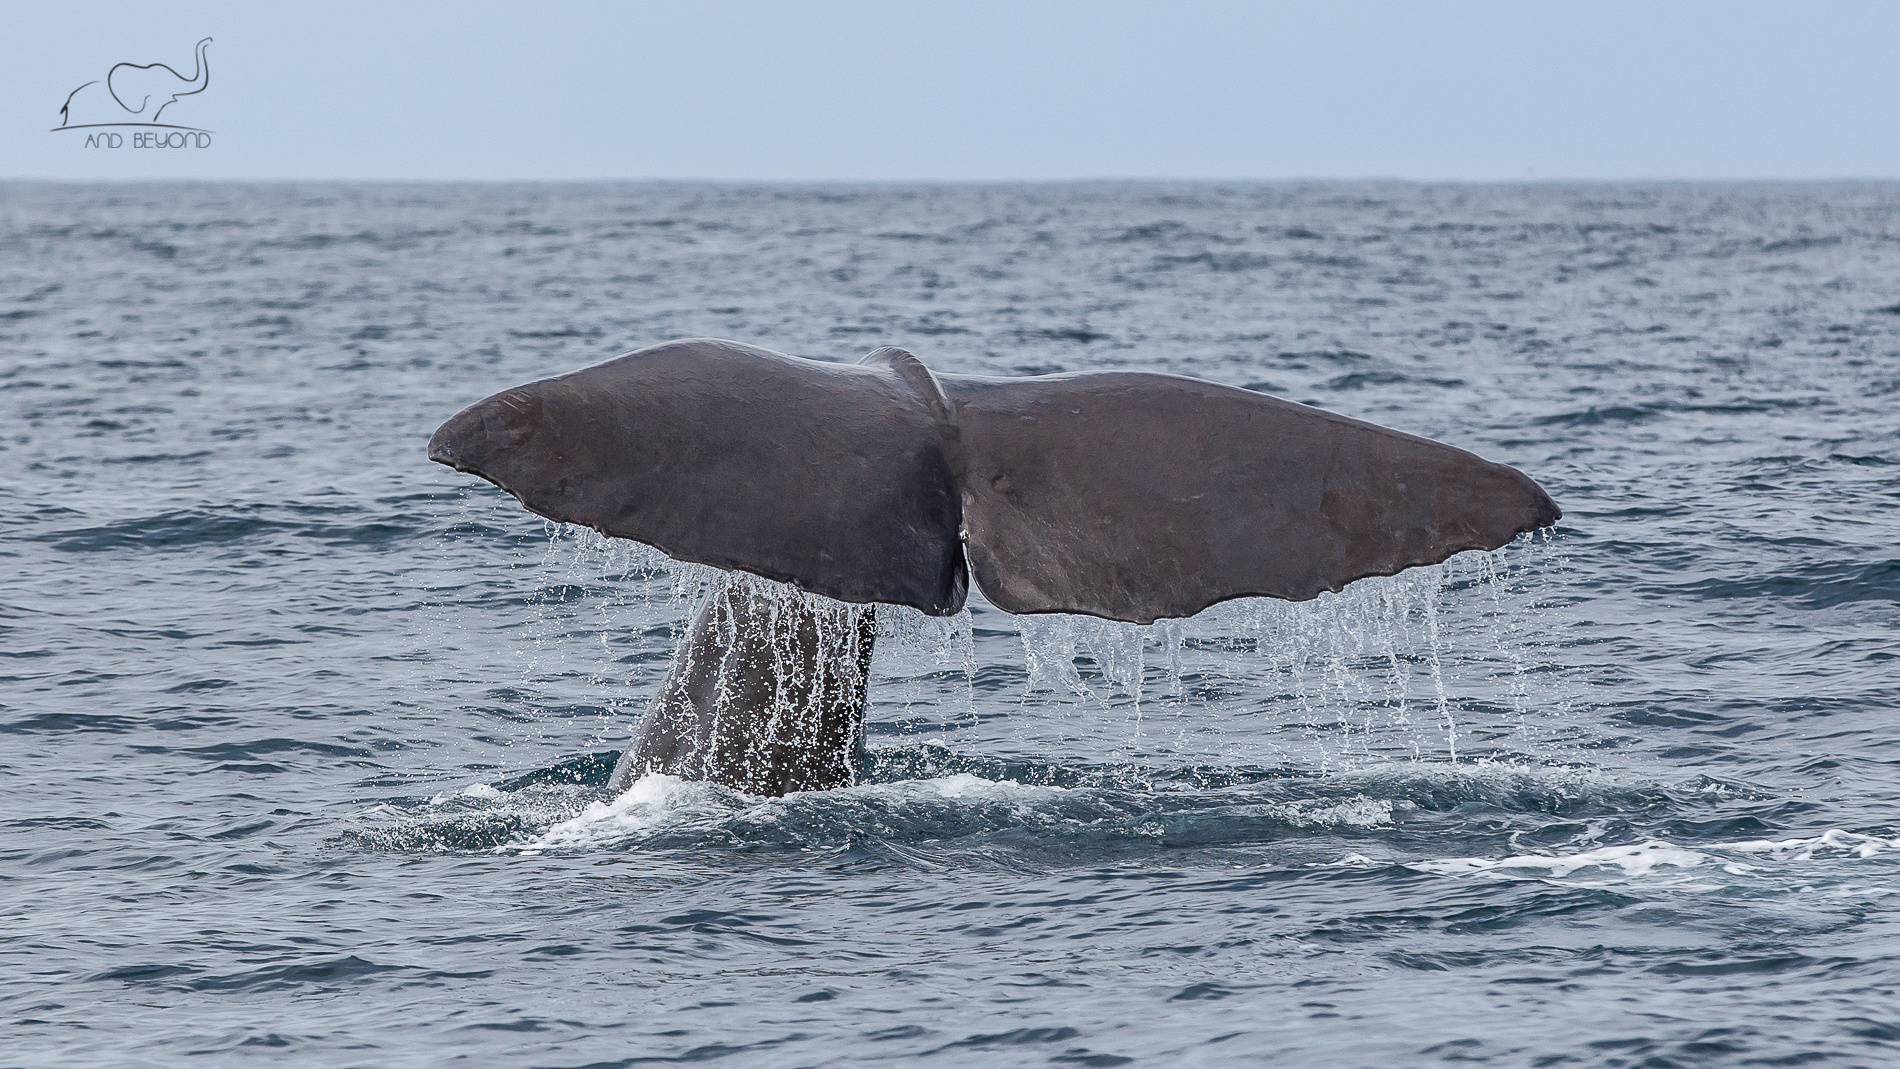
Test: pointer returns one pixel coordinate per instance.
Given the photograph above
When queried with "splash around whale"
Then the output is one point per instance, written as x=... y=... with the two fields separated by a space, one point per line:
x=1130 y=496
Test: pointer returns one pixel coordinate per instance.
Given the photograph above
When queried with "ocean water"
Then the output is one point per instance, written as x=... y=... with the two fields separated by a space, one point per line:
x=302 y=737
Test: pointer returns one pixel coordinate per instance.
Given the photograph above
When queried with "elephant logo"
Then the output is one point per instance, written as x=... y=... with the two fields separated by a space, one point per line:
x=133 y=94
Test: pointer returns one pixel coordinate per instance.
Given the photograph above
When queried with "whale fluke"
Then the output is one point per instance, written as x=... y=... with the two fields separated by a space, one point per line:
x=1128 y=495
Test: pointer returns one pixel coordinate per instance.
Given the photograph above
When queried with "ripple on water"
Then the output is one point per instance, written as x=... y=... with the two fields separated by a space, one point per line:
x=304 y=736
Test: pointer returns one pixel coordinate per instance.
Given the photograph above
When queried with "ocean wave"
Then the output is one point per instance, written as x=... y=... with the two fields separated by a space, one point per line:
x=1231 y=262
x=931 y=794
x=1821 y=585
x=1566 y=790
x=663 y=810
x=194 y=528
x=1802 y=864
x=1599 y=415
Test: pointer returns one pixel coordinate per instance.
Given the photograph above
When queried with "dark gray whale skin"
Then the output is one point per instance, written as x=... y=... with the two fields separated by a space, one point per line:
x=830 y=477
x=1127 y=495
x=1131 y=496
x=766 y=695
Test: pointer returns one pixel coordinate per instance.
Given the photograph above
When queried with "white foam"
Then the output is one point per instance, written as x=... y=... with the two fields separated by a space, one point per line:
x=1487 y=780
x=479 y=791
x=654 y=801
x=1359 y=812
x=1831 y=843
x=1766 y=859
x=963 y=785
x=665 y=805
x=1637 y=859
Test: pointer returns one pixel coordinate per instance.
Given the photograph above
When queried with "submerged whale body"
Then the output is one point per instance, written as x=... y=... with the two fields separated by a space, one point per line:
x=1132 y=496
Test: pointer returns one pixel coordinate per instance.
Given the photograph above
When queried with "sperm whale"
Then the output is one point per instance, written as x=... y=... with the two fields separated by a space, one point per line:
x=1132 y=496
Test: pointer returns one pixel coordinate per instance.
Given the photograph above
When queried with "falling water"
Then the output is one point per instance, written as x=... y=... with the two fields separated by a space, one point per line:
x=1342 y=675
x=1344 y=670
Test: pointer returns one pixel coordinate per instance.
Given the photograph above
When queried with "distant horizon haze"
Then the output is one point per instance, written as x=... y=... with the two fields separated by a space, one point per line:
x=1468 y=91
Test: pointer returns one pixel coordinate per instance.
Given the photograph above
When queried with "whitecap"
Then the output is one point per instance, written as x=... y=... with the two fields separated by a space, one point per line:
x=1769 y=862
x=481 y=792
x=1637 y=859
x=654 y=801
x=1831 y=843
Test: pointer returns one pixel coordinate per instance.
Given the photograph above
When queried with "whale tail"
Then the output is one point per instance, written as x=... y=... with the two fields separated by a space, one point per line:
x=1126 y=495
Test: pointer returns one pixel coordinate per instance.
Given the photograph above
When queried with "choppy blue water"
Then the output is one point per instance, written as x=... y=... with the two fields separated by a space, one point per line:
x=300 y=734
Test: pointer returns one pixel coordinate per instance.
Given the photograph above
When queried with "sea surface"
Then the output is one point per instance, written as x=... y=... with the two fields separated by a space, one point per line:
x=303 y=738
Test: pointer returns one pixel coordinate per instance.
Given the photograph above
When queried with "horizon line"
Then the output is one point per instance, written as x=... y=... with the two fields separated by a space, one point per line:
x=840 y=181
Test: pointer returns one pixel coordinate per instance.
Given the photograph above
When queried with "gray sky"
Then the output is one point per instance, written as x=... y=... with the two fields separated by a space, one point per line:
x=893 y=89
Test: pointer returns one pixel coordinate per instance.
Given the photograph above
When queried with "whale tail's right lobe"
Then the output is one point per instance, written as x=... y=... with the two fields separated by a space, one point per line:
x=1137 y=496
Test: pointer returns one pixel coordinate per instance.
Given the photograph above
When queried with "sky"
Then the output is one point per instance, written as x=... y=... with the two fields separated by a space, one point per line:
x=945 y=90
